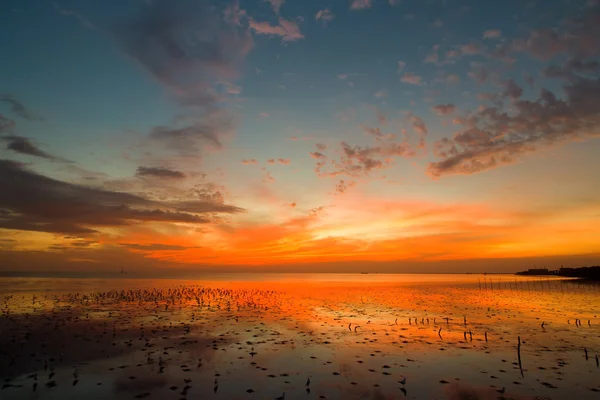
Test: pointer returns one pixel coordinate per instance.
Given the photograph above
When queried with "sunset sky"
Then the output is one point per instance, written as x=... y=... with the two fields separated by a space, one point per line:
x=291 y=135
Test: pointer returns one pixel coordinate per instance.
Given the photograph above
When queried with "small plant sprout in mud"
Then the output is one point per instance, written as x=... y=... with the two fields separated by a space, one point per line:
x=519 y=355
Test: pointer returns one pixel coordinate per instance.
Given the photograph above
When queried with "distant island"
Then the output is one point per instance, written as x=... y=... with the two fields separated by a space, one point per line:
x=583 y=272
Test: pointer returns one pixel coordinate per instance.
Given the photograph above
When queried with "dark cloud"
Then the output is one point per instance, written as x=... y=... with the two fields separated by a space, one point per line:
x=189 y=47
x=497 y=135
x=342 y=186
x=361 y=160
x=23 y=145
x=577 y=38
x=155 y=246
x=19 y=108
x=199 y=206
x=357 y=160
x=512 y=90
x=29 y=201
x=185 y=139
x=159 y=172
x=572 y=69
x=493 y=137
x=186 y=45
x=444 y=109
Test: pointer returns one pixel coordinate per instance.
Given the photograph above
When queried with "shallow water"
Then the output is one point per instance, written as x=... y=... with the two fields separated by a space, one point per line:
x=357 y=336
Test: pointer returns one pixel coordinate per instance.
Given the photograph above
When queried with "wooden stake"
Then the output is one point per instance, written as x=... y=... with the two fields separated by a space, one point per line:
x=519 y=356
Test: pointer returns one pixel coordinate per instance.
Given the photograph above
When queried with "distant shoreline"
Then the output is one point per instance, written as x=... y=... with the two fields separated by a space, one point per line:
x=589 y=273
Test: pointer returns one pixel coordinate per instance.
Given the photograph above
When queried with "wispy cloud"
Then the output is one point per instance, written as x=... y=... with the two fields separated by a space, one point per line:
x=288 y=30
x=324 y=15
x=492 y=137
x=19 y=108
x=75 y=14
x=361 y=4
x=342 y=186
x=155 y=247
x=276 y=5
x=23 y=145
x=33 y=202
x=188 y=47
x=233 y=14
x=412 y=78
x=159 y=172
x=444 y=109
x=492 y=34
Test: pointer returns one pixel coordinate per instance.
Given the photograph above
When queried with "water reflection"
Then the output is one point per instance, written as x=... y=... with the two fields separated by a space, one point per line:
x=321 y=336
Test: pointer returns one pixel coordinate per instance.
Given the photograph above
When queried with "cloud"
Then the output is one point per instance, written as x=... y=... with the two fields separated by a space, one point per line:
x=572 y=68
x=361 y=4
x=186 y=139
x=471 y=49
x=492 y=34
x=576 y=37
x=158 y=172
x=512 y=90
x=479 y=73
x=444 y=109
x=324 y=15
x=276 y=5
x=23 y=145
x=205 y=206
x=19 y=108
x=286 y=29
x=267 y=176
x=233 y=14
x=284 y=161
x=419 y=127
x=401 y=65
x=5 y=123
x=75 y=14
x=362 y=160
x=33 y=202
x=250 y=161
x=189 y=48
x=155 y=247
x=342 y=186
x=452 y=78
x=411 y=78
x=183 y=44
x=432 y=58
x=493 y=137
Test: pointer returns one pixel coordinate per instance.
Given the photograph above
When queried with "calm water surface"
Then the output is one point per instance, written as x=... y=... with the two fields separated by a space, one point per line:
x=258 y=336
